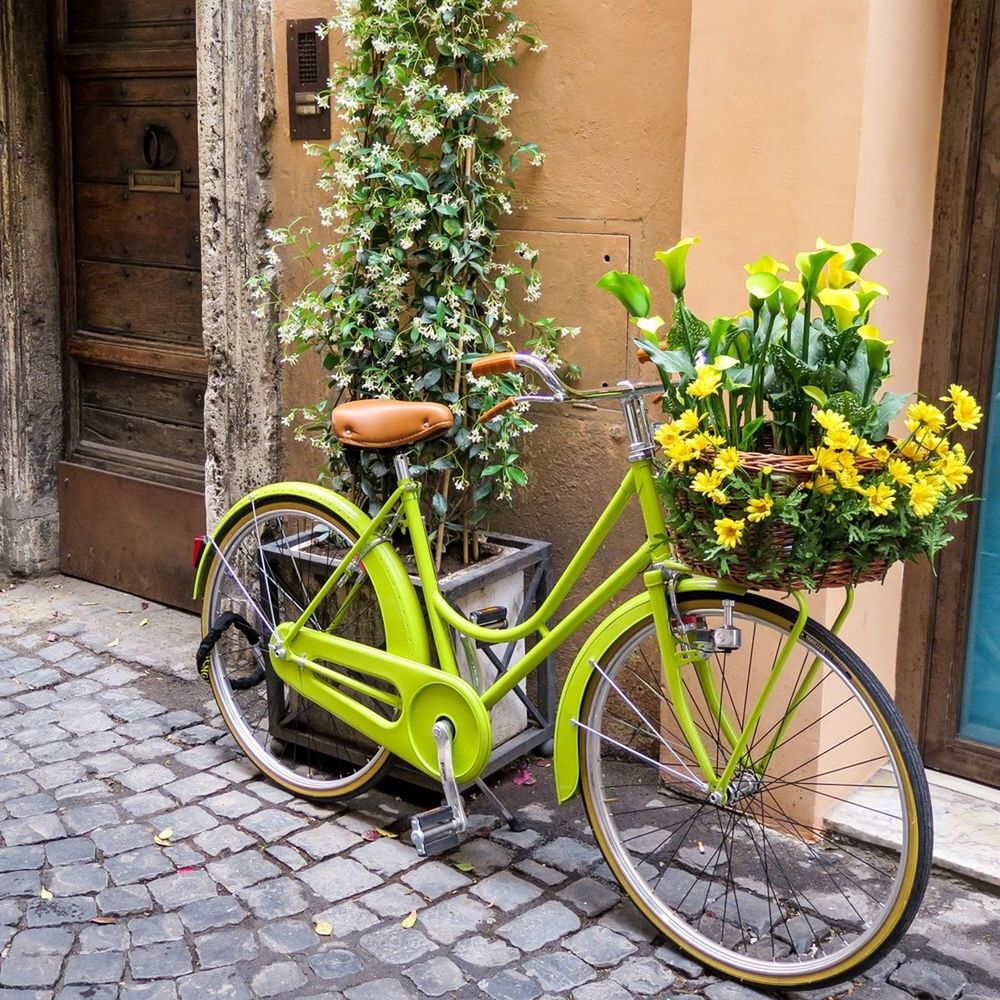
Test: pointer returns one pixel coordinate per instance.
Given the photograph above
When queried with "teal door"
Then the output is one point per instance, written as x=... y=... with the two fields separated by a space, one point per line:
x=979 y=715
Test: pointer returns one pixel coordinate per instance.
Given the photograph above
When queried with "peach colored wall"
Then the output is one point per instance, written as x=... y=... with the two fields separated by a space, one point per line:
x=607 y=103
x=757 y=133
x=834 y=133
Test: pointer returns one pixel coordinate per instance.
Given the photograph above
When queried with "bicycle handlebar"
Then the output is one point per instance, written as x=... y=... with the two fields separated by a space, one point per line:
x=509 y=361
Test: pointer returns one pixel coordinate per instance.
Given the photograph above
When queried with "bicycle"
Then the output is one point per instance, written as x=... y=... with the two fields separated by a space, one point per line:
x=708 y=729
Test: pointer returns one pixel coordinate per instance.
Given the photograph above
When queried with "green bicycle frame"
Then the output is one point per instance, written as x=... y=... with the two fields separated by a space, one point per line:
x=652 y=562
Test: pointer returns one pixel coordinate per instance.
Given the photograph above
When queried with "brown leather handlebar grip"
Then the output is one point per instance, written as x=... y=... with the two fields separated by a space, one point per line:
x=495 y=364
x=495 y=411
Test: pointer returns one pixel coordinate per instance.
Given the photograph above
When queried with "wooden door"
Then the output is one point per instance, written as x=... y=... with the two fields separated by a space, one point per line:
x=131 y=490
x=945 y=624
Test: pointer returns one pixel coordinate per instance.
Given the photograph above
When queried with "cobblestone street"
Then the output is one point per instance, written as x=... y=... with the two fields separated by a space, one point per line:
x=107 y=741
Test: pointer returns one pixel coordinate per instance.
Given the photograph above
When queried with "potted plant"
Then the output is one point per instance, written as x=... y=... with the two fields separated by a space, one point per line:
x=778 y=466
x=416 y=280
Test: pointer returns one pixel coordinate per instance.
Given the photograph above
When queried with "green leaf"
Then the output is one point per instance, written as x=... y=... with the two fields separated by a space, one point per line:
x=453 y=227
x=629 y=291
x=816 y=394
x=518 y=475
x=674 y=362
x=439 y=504
x=418 y=180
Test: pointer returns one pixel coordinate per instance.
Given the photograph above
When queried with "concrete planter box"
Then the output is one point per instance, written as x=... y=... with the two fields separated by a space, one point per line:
x=518 y=578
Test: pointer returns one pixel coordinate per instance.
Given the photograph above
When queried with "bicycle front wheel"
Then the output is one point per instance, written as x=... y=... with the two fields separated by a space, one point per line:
x=760 y=886
x=267 y=568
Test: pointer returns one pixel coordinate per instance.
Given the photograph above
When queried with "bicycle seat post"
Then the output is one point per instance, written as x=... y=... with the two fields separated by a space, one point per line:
x=402 y=466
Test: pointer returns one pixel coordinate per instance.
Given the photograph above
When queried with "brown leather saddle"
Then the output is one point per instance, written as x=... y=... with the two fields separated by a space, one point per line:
x=389 y=423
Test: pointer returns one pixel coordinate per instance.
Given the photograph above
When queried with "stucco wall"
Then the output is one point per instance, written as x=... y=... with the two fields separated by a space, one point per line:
x=756 y=133
x=834 y=133
x=607 y=103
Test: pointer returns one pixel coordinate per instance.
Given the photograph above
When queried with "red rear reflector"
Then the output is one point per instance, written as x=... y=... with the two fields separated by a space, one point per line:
x=197 y=549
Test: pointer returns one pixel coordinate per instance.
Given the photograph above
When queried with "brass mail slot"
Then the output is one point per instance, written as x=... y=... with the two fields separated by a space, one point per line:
x=157 y=181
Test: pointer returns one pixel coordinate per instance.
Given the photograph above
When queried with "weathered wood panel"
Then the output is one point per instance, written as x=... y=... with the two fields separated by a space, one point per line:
x=154 y=303
x=175 y=401
x=108 y=140
x=130 y=20
x=117 y=352
x=113 y=223
x=129 y=534
x=126 y=91
x=141 y=435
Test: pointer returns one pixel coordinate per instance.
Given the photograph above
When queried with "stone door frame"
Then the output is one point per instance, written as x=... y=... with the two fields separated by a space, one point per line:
x=242 y=402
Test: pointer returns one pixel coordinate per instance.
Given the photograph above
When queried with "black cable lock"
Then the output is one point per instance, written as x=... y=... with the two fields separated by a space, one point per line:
x=225 y=621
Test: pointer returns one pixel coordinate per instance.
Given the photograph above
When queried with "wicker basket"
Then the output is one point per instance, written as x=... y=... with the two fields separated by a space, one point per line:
x=787 y=472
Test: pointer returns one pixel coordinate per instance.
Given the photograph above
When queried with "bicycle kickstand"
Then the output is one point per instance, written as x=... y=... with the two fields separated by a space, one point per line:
x=439 y=830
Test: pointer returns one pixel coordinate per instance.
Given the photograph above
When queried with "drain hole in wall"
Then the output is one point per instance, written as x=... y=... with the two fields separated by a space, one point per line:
x=607 y=258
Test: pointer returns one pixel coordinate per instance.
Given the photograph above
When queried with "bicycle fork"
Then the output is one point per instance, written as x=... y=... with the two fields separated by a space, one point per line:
x=677 y=651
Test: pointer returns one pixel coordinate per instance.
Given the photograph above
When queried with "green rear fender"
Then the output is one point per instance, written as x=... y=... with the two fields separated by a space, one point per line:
x=622 y=623
x=406 y=633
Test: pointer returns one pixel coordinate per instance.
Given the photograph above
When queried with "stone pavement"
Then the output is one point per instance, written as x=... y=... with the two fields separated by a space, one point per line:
x=106 y=740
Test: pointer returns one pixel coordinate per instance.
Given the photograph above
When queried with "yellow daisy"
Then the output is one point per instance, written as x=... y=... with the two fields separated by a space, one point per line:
x=900 y=471
x=706 y=383
x=967 y=413
x=727 y=460
x=831 y=420
x=923 y=498
x=688 y=421
x=759 y=508
x=881 y=498
x=706 y=482
x=728 y=532
x=921 y=414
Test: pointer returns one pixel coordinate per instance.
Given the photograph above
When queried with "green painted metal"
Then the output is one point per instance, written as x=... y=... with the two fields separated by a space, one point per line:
x=406 y=633
x=613 y=631
x=750 y=726
x=804 y=687
x=308 y=664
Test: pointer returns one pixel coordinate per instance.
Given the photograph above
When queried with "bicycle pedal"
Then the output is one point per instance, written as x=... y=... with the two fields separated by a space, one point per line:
x=435 y=831
x=492 y=617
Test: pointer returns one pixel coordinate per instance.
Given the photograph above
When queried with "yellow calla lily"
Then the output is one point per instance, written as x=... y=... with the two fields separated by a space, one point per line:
x=765 y=264
x=675 y=261
x=724 y=362
x=649 y=324
x=872 y=332
x=837 y=273
x=791 y=293
x=868 y=292
x=842 y=303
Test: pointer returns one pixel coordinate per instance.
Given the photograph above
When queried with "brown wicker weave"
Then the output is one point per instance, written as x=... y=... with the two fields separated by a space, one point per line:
x=795 y=470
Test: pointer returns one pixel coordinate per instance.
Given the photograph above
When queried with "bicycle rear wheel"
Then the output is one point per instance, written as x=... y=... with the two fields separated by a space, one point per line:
x=267 y=568
x=761 y=887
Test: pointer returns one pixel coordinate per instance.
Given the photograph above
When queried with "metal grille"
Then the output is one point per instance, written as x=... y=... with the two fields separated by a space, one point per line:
x=308 y=61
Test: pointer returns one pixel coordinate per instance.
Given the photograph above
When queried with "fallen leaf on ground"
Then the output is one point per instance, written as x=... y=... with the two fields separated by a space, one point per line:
x=144 y=623
x=323 y=927
x=463 y=866
x=45 y=894
x=104 y=919
x=123 y=611
x=377 y=834
x=52 y=637
x=524 y=776
x=112 y=644
x=187 y=869
x=410 y=919
x=144 y=605
x=163 y=837
x=542 y=762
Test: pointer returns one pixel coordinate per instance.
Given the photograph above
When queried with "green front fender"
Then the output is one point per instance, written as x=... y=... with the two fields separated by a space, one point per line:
x=406 y=631
x=617 y=628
